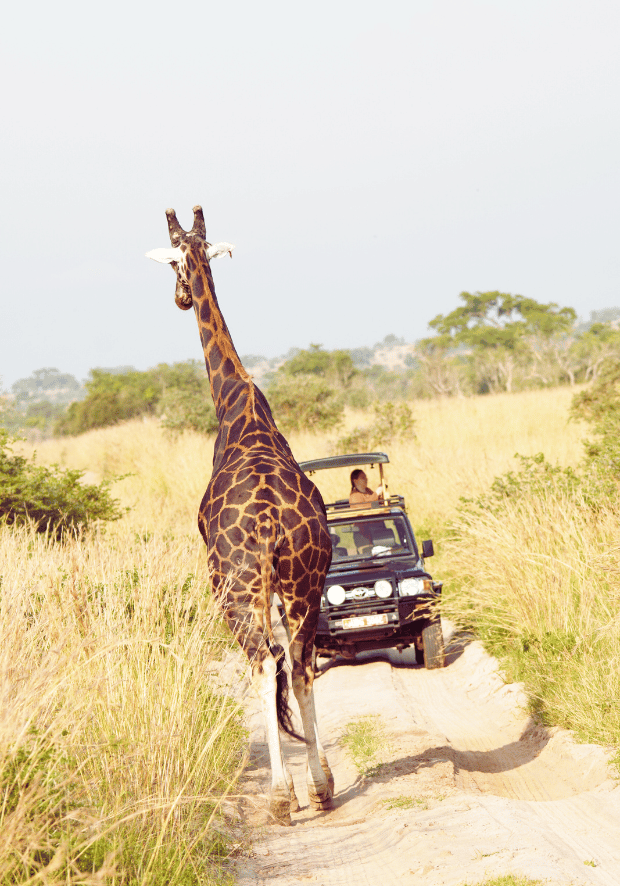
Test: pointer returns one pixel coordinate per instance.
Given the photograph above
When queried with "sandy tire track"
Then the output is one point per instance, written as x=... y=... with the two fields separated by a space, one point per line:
x=492 y=793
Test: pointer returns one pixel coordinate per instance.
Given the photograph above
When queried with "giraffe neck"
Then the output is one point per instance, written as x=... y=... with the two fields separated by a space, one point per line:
x=224 y=368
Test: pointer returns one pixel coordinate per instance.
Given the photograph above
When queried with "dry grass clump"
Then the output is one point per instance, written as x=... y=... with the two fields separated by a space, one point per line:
x=116 y=745
x=539 y=580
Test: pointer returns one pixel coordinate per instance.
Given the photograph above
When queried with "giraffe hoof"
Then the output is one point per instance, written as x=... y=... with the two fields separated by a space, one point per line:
x=323 y=799
x=319 y=803
x=280 y=809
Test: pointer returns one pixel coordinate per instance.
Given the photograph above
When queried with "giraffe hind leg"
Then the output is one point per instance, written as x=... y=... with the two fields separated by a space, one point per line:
x=269 y=680
x=265 y=683
x=319 y=776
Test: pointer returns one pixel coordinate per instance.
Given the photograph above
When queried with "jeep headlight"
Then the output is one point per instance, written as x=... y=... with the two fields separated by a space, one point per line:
x=336 y=595
x=409 y=587
x=383 y=588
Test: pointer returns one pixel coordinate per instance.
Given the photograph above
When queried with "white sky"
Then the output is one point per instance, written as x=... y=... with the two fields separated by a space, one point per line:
x=369 y=160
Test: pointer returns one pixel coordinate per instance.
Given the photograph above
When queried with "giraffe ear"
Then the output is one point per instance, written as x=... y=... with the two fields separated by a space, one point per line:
x=165 y=255
x=218 y=249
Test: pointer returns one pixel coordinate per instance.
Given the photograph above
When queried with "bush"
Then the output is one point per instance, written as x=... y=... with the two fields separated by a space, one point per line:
x=336 y=367
x=55 y=500
x=187 y=409
x=304 y=403
x=600 y=405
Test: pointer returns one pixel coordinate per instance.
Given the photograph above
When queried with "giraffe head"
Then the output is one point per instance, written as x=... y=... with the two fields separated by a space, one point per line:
x=189 y=248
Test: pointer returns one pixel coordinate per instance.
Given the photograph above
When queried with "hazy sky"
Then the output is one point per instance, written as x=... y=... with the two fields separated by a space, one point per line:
x=369 y=160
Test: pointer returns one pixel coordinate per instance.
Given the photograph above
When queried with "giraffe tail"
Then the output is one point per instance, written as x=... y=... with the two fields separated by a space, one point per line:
x=285 y=721
x=267 y=529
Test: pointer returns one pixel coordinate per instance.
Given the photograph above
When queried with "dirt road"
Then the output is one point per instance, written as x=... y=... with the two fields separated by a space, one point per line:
x=467 y=788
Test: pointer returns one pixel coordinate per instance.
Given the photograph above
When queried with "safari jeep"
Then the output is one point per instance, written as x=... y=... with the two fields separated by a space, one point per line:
x=378 y=593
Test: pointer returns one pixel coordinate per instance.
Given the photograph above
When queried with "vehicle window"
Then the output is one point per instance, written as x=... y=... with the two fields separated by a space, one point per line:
x=369 y=538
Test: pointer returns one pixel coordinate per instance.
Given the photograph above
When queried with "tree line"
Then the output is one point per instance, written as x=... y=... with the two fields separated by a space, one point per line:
x=496 y=341
x=491 y=342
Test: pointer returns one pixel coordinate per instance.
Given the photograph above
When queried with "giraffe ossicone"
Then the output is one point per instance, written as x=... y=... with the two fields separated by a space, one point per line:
x=263 y=522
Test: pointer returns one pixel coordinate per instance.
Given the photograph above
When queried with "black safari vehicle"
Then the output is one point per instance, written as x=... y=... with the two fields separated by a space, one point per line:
x=378 y=593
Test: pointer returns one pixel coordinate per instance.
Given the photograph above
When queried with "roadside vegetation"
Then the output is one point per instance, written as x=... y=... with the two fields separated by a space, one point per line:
x=120 y=740
x=52 y=500
x=536 y=567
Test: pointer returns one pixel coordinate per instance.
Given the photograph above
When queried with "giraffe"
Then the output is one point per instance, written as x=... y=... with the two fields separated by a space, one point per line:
x=263 y=522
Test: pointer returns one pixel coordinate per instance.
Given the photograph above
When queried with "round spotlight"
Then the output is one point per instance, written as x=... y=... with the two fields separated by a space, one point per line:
x=383 y=588
x=409 y=587
x=336 y=595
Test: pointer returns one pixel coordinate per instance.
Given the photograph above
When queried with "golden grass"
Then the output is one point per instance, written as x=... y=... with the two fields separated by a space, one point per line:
x=459 y=447
x=116 y=744
x=111 y=724
x=167 y=473
x=540 y=582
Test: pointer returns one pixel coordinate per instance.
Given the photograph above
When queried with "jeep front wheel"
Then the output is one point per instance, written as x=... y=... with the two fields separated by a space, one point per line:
x=432 y=640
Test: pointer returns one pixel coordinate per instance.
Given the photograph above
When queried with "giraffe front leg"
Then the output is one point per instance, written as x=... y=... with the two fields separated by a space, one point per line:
x=320 y=778
x=280 y=799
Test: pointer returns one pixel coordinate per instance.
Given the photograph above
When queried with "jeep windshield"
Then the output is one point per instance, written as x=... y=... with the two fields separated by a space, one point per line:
x=368 y=538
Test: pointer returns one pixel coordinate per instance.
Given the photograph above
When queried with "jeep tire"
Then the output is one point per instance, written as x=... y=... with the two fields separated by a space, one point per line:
x=432 y=639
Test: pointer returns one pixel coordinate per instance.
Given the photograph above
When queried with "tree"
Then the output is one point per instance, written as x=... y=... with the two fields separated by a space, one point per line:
x=334 y=366
x=595 y=347
x=304 y=402
x=47 y=384
x=442 y=367
x=502 y=330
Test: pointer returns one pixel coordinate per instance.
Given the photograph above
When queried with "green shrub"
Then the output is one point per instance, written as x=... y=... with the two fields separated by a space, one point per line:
x=304 y=403
x=187 y=409
x=54 y=499
x=600 y=405
x=336 y=367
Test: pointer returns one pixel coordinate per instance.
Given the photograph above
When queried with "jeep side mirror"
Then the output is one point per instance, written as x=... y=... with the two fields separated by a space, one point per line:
x=427 y=549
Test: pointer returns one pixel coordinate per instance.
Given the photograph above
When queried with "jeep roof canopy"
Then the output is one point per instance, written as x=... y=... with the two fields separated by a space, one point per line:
x=344 y=461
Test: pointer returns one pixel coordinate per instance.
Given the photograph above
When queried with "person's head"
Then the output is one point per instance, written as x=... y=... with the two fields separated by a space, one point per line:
x=358 y=478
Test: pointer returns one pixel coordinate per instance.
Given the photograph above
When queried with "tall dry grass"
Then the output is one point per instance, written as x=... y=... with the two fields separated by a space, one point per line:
x=460 y=445
x=117 y=744
x=540 y=582
x=165 y=474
